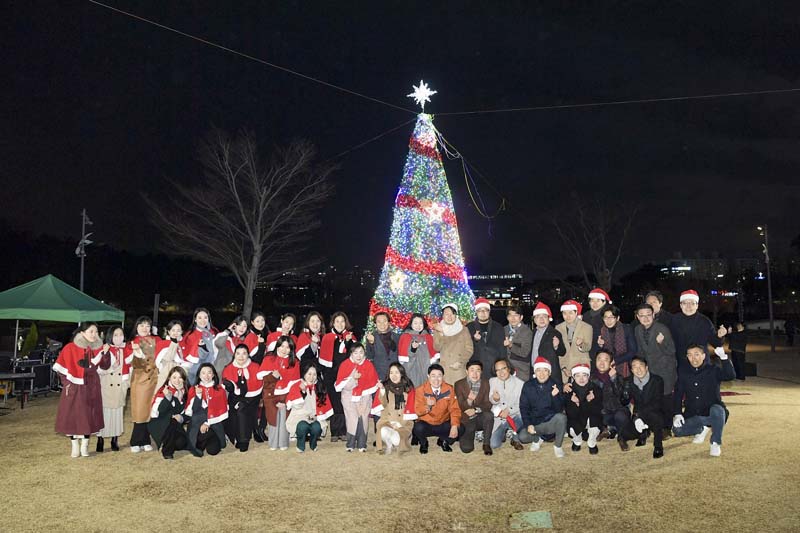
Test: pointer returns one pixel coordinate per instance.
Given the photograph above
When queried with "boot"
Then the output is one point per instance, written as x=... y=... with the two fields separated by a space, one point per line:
x=84 y=447
x=76 y=447
x=99 y=447
x=114 y=444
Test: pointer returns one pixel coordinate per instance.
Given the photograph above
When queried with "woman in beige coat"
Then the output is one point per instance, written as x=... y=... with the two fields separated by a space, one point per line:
x=454 y=344
x=140 y=354
x=577 y=337
x=114 y=389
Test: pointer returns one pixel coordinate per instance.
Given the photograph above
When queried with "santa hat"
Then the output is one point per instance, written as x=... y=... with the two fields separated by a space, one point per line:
x=600 y=294
x=690 y=295
x=581 y=367
x=541 y=362
x=572 y=305
x=454 y=307
x=481 y=303
x=543 y=309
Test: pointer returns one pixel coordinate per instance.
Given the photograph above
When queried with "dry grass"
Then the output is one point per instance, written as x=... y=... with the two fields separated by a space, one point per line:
x=753 y=486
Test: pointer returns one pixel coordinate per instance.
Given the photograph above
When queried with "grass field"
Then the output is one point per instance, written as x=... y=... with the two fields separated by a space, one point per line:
x=754 y=486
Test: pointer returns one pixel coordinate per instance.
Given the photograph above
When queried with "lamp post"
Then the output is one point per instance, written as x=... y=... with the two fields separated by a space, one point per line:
x=80 y=251
x=763 y=231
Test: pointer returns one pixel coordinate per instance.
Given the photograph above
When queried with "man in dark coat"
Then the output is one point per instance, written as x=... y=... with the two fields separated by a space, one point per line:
x=656 y=300
x=382 y=345
x=737 y=342
x=690 y=327
x=547 y=342
x=518 y=341
x=656 y=346
x=487 y=336
x=647 y=393
x=697 y=401
x=616 y=398
x=540 y=405
x=472 y=393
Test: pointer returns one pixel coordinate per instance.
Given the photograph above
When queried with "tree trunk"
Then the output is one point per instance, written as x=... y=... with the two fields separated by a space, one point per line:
x=250 y=288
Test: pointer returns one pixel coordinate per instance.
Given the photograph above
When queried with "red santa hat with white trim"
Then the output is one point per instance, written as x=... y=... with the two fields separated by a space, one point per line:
x=481 y=303
x=581 y=367
x=572 y=305
x=541 y=362
x=600 y=294
x=543 y=309
x=690 y=295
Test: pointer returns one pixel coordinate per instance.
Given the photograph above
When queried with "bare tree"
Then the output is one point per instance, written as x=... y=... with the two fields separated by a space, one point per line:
x=594 y=238
x=252 y=216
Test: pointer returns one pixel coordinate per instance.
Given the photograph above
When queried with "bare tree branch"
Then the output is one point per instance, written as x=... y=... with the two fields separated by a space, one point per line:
x=253 y=216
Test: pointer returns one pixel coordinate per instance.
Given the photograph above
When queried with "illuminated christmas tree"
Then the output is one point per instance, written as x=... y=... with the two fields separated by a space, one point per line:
x=424 y=266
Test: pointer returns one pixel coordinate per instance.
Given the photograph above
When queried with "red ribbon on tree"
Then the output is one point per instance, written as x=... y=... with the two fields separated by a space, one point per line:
x=423 y=267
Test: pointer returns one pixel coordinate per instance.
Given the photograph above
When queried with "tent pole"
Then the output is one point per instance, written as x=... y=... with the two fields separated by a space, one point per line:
x=16 y=336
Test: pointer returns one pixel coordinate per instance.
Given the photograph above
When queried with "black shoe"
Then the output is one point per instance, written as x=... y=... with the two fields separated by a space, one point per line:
x=576 y=447
x=593 y=451
x=114 y=444
x=258 y=435
x=243 y=446
x=439 y=442
x=612 y=433
x=99 y=448
x=658 y=453
x=643 y=438
x=487 y=450
x=623 y=445
x=414 y=440
x=423 y=446
x=446 y=446
x=170 y=456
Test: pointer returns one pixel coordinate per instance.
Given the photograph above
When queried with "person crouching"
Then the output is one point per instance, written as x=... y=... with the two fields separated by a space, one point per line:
x=540 y=405
x=583 y=402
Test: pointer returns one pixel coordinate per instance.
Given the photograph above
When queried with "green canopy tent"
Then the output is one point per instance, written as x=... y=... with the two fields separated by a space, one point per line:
x=49 y=298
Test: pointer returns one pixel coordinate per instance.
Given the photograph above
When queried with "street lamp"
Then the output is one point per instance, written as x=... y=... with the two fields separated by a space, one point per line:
x=763 y=232
x=80 y=251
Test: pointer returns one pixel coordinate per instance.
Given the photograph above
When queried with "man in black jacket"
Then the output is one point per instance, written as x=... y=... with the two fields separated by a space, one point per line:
x=698 y=403
x=547 y=340
x=487 y=336
x=616 y=398
x=646 y=393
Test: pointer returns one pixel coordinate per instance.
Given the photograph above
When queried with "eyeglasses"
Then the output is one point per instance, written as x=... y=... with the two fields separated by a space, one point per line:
x=501 y=368
x=645 y=315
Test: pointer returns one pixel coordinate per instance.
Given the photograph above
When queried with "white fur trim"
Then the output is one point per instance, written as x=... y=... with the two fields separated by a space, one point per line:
x=435 y=357
x=285 y=390
x=250 y=394
x=327 y=414
x=691 y=297
x=217 y=419
x=327 y=364
x=482 y=305
x=402 y=358
x=599 y=296
x=411 y=416
x=271 y=346
x=569 y=307
x=376 y=410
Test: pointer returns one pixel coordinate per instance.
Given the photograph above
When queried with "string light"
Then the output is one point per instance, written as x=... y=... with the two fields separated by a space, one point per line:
x=424 y=265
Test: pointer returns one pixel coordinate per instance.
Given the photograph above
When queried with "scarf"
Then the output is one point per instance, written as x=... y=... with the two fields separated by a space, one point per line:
x=388 y=342
x=398 y=390
x=641 y=382
x=614 y=339
x=602 y=377
x=451 y=330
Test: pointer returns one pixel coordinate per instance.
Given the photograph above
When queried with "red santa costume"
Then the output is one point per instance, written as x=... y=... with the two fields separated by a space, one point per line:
x=304 y=406
x=80 y=408
x=306 y=345
x=208 y=405
x=356 y=398
x=272 y=340
x=244 y=392
x=334 y=349
x=274 y=393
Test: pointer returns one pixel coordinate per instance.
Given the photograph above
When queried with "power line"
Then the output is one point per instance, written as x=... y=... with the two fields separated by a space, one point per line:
x=252 y=58
x=359 y=145
x=621 y=102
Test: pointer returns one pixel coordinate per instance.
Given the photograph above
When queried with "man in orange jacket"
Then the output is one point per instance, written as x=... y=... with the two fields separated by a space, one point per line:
x=437 y=410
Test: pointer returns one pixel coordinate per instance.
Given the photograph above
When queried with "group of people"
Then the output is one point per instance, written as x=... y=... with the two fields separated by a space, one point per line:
x=589 y=378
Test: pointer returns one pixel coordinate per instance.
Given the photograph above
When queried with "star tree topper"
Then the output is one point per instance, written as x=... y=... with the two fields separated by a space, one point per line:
x=422 y=93
x=398 y=281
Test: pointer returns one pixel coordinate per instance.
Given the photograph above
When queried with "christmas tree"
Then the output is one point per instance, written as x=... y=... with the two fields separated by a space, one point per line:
x=424 y=266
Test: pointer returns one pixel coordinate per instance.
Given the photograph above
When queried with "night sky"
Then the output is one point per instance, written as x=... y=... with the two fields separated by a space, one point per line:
x=99 y=106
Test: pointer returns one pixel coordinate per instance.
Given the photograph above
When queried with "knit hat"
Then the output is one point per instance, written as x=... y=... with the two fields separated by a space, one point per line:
x=572 y=305
x=541 y=362
x=543 y=309
x=581 y=367
x=600 y=294
x=482 y=302
x=454 y=307
x=690 y=295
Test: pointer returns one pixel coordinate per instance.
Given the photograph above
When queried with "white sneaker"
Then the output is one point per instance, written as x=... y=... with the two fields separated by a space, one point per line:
x=716 y=449
x=136 y=449
x=536 y=445
x=298 y=450
x=592 y=440
x=147 y=448
x=701 y=437
x=558 y=451
x=284 y=448
x=388 y=448
x=76 y=448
